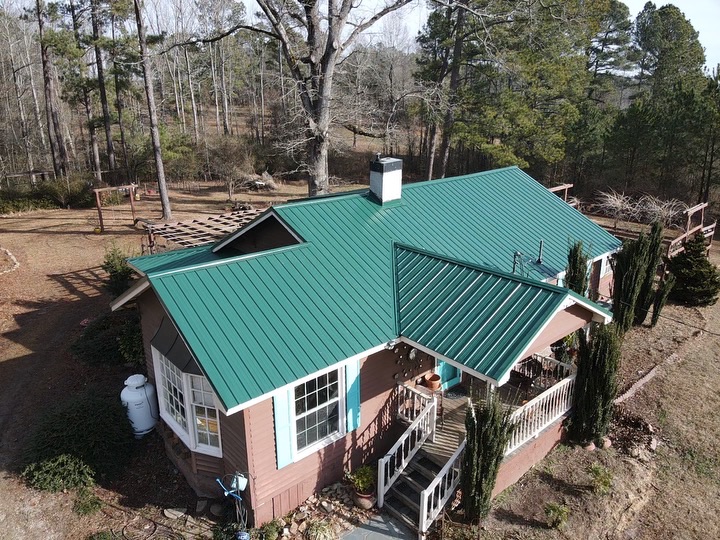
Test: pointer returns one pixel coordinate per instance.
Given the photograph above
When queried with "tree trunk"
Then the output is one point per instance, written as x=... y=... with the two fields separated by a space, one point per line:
x=24 y=129
x=119 y=105
x=154 y=131
x=452 y=91
x=107 y=121
x=57 y=145
x=196 y=129
x=223 y=87
x=317 y=150
x=216 y=92
x=87 y=103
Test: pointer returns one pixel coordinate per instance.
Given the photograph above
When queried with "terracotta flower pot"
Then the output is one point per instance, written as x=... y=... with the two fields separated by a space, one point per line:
x=364 y=500
x=433 y=381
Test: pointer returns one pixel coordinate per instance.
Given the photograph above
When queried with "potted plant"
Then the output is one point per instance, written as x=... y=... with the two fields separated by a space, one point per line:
x=363 y=481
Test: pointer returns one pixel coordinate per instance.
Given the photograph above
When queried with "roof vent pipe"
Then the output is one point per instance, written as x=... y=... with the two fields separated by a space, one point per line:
x=540 y=254
x=386 y=178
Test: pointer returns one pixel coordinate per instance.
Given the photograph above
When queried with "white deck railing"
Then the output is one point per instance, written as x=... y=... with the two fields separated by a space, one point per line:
x=434 y=498
x=392 y=464
x=411 y=402
x=540 y=412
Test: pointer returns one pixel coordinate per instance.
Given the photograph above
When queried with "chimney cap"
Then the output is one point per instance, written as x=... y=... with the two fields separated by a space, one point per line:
x=385 y=164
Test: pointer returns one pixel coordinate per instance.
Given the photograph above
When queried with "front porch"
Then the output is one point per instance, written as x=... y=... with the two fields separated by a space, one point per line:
x=421 y=473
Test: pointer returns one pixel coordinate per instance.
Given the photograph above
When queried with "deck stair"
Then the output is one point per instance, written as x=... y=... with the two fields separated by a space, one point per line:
x=403 y=498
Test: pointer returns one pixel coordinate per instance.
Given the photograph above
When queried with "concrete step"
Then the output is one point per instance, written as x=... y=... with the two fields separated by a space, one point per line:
x=407 y=515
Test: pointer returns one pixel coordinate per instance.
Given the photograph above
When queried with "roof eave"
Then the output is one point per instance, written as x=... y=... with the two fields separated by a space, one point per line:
x=133 y=292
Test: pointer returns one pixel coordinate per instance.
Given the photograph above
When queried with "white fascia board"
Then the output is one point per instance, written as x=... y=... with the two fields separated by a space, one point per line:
x=316 y=374
x=133 y=292
x=447 y=360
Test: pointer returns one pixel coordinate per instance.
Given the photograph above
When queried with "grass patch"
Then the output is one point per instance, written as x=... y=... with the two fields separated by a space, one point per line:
x=704 y=466
x=86 y=502
x=602 y=479
x=557 y=515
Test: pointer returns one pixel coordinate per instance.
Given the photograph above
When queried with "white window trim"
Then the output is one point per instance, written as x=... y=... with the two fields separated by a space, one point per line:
x=342 y=422
x=189 y=437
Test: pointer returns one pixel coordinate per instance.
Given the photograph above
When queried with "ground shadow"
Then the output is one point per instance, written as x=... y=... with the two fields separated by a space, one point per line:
x=514 y=518
x=562 y=486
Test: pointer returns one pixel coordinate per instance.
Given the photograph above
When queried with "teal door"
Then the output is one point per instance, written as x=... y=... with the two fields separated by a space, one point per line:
x=449 y=374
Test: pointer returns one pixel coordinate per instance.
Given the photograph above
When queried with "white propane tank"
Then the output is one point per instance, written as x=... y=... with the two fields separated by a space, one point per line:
x=140 y=400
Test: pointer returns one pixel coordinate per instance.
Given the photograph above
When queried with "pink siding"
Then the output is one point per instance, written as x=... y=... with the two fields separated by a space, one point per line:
x=564 y=323
x=275 y=492
x=527 y=456
x=605 y=286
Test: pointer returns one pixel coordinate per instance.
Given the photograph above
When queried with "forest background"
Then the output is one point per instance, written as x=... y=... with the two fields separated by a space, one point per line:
x=106 y=92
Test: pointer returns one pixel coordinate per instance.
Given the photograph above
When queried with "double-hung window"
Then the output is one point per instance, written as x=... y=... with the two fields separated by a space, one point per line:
x=187 y=405
x=316 y=411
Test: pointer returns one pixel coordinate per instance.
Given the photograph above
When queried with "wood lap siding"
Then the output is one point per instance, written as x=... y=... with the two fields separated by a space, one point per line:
x=209 y=465
x=277 y=492
x=151 y=316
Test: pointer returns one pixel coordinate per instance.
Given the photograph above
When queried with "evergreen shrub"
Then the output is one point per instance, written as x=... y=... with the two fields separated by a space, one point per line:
x=91 y=431
x=697 y=280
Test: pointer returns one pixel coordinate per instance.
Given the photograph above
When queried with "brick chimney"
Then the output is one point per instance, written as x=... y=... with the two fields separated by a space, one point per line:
x=386 y=178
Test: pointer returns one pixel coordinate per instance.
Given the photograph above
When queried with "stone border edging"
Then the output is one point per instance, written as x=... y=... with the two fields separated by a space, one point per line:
x=15 y=262
x=650 y=375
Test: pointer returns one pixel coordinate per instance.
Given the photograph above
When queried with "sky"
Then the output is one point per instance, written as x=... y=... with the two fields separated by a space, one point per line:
x=704 y=16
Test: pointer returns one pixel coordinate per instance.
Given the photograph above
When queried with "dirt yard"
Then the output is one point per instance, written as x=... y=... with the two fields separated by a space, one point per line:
x=51 y=280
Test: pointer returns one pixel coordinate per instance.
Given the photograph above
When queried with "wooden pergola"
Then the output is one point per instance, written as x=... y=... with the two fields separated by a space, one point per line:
x=197 y=231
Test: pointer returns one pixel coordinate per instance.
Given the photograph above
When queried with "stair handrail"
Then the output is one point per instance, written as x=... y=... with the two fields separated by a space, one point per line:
x=424 y=425
x=416 y=397
x=430 y=505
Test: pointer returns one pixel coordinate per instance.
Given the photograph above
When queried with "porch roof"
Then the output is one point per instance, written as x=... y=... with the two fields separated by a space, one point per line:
x=478 y=317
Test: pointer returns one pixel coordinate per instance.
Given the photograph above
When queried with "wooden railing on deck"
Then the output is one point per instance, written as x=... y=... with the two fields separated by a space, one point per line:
x=392 y=464
x=411 y=402
x=434 y=498
x=540 y=412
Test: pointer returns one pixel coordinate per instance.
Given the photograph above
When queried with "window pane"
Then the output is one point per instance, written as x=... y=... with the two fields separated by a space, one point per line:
x=317 y=405
x=203 y=438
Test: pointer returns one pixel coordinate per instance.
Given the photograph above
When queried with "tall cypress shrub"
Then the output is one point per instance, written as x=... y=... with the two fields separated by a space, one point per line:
x=595 y=384
x=488 y=429
x=661 y=297
x=629 y=270
x=646 y=293
x=576 y=271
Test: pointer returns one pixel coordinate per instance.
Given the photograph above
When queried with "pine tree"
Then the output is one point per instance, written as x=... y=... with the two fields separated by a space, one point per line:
x=646 y=293
x=488 y=428
x=595 y=384
x=697 y=279
x=576 y=272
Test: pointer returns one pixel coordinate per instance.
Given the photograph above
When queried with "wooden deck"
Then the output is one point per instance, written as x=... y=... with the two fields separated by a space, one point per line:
x=450 y=430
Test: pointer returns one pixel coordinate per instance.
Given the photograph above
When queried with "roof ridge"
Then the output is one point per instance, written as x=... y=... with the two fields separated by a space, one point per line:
x=416 y=185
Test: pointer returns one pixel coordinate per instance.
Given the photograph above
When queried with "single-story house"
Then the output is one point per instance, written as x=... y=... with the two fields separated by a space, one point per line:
x=292 y=350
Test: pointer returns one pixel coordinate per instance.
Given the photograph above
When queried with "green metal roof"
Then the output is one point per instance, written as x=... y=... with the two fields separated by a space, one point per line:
x=258 y=322
x=169 y=260
x=475 y=316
